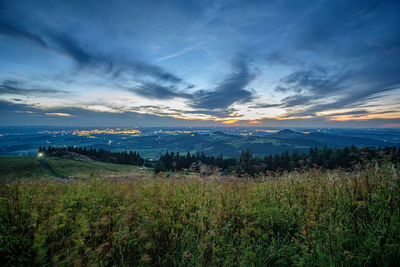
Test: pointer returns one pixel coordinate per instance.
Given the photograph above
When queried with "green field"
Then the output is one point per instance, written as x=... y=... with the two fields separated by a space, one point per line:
x=14 y=167
x=88 y=169
x=303 y=219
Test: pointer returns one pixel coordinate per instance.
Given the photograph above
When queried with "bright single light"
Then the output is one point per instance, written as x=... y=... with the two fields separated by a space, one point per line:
x=40 y=155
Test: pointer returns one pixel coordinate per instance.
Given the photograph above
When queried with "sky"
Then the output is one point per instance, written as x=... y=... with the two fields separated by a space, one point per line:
x=272 y=63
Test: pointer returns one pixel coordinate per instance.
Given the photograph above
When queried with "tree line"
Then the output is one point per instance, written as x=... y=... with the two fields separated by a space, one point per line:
x=124 y=157
x=325 y=158
x=247 y=164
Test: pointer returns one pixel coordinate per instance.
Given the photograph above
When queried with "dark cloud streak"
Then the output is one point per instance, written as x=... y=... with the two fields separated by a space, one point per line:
x=157 y=91
x=14 y=88
x=13 y=31
x=265 y=106
x=231 y=90
x=66 y=44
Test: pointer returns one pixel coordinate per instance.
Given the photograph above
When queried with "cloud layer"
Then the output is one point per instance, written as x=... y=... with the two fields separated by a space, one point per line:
x=312 y=62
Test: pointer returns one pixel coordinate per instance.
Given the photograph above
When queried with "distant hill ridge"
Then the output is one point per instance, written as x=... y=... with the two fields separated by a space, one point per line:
x=288 y=133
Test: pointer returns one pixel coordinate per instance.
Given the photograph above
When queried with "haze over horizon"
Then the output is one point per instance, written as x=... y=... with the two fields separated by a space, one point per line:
x=200 y=63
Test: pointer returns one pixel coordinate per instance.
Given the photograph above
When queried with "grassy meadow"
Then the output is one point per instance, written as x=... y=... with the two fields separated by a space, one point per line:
x=14 y=167
x=141 y=219
x=88 y=169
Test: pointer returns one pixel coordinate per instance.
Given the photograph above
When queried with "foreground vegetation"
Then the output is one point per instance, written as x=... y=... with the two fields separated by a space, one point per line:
x=310 y=218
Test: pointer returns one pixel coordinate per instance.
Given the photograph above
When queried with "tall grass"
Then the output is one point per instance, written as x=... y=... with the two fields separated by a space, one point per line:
x=307 y=219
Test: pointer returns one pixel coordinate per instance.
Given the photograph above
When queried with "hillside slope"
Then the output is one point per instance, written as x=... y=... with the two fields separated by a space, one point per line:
x=14 y=167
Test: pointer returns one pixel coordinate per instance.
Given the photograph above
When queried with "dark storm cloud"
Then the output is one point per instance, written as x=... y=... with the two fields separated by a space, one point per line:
x=10 y=87
x=157 y=91
x=231 y=90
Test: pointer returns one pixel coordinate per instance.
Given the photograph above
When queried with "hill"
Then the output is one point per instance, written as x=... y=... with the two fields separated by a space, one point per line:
x=287 y=133
x=14 y=167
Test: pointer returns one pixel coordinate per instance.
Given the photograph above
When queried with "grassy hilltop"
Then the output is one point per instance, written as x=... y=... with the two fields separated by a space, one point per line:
x=13 y=167
x=108 y=214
